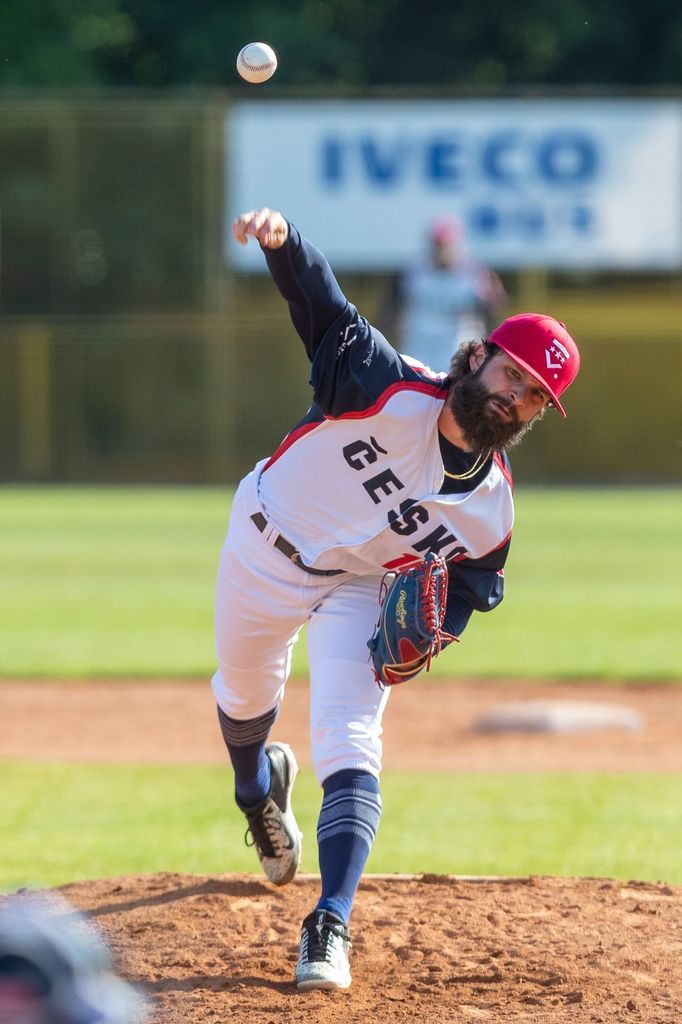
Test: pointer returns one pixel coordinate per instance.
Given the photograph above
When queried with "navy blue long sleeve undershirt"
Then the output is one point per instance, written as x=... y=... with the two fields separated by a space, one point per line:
x=314 y=307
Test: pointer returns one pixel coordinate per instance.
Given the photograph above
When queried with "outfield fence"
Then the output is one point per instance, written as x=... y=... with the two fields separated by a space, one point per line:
x=130 y=352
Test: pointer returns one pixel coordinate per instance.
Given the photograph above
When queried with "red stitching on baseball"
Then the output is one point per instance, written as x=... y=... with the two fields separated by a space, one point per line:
x=256 y=67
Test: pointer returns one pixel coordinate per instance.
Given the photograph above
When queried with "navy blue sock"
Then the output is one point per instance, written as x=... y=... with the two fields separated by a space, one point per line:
x=346 y=828
x=245 y=740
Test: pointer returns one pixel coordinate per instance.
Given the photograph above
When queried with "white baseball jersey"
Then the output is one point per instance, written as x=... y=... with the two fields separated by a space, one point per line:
x=361 y=483
x=360 y=491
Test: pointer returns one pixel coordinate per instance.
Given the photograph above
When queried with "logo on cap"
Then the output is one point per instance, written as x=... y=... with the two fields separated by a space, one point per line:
x=556 y=351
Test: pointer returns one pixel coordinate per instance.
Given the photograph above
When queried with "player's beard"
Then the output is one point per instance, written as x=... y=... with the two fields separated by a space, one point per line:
x=472 y=405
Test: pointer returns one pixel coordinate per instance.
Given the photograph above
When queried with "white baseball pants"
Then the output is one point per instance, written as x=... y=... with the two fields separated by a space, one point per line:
x=262 y=601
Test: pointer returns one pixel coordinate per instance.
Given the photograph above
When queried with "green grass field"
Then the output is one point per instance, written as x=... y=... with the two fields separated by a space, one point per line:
x=65 y=822
x=119 y=582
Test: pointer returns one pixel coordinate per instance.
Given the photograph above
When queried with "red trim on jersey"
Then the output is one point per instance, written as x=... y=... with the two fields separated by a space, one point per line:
x=401 y=385
x=506 y=472
x=463 y=558
x=291 y=438
x=416 y=364
x=402 y=562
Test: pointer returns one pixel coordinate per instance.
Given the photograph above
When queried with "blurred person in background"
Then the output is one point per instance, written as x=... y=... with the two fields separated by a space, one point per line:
x=443 y=299
x=55 y=968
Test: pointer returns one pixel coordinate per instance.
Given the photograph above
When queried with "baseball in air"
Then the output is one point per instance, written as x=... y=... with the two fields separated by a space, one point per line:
x=256 y=62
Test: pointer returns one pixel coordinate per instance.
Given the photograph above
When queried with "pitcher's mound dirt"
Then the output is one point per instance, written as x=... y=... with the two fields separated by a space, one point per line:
x=432 y=948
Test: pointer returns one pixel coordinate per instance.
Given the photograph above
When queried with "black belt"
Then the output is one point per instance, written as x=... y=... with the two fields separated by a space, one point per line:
x=290 y=551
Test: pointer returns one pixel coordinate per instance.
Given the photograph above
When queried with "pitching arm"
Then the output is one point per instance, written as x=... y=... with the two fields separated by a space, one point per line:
x=300 y=271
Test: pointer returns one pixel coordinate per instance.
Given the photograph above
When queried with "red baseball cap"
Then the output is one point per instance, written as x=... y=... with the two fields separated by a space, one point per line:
x=543 y=347
x=447 y=230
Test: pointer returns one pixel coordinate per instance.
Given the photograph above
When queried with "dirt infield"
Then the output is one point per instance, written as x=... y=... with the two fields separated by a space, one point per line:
x=444 y=949
x=427 y=726
x=434 y=948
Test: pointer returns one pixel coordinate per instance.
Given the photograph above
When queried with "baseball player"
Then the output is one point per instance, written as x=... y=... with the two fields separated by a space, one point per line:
x=392 y=464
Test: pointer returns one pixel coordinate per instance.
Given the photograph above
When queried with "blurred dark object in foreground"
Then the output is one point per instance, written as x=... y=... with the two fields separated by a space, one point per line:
x=56 y=969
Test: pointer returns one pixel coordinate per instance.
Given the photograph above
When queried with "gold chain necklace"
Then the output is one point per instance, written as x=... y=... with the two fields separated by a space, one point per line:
x=478 y=464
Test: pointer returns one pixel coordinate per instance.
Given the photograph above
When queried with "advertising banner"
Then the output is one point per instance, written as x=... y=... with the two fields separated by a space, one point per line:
x=560 y=184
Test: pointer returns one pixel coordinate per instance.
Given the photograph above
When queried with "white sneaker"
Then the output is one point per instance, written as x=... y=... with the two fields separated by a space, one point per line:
x=272 y=825
x=323 y=960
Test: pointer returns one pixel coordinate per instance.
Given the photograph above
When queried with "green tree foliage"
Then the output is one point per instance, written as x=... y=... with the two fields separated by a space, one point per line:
x=344 y=44
x=57 y=43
